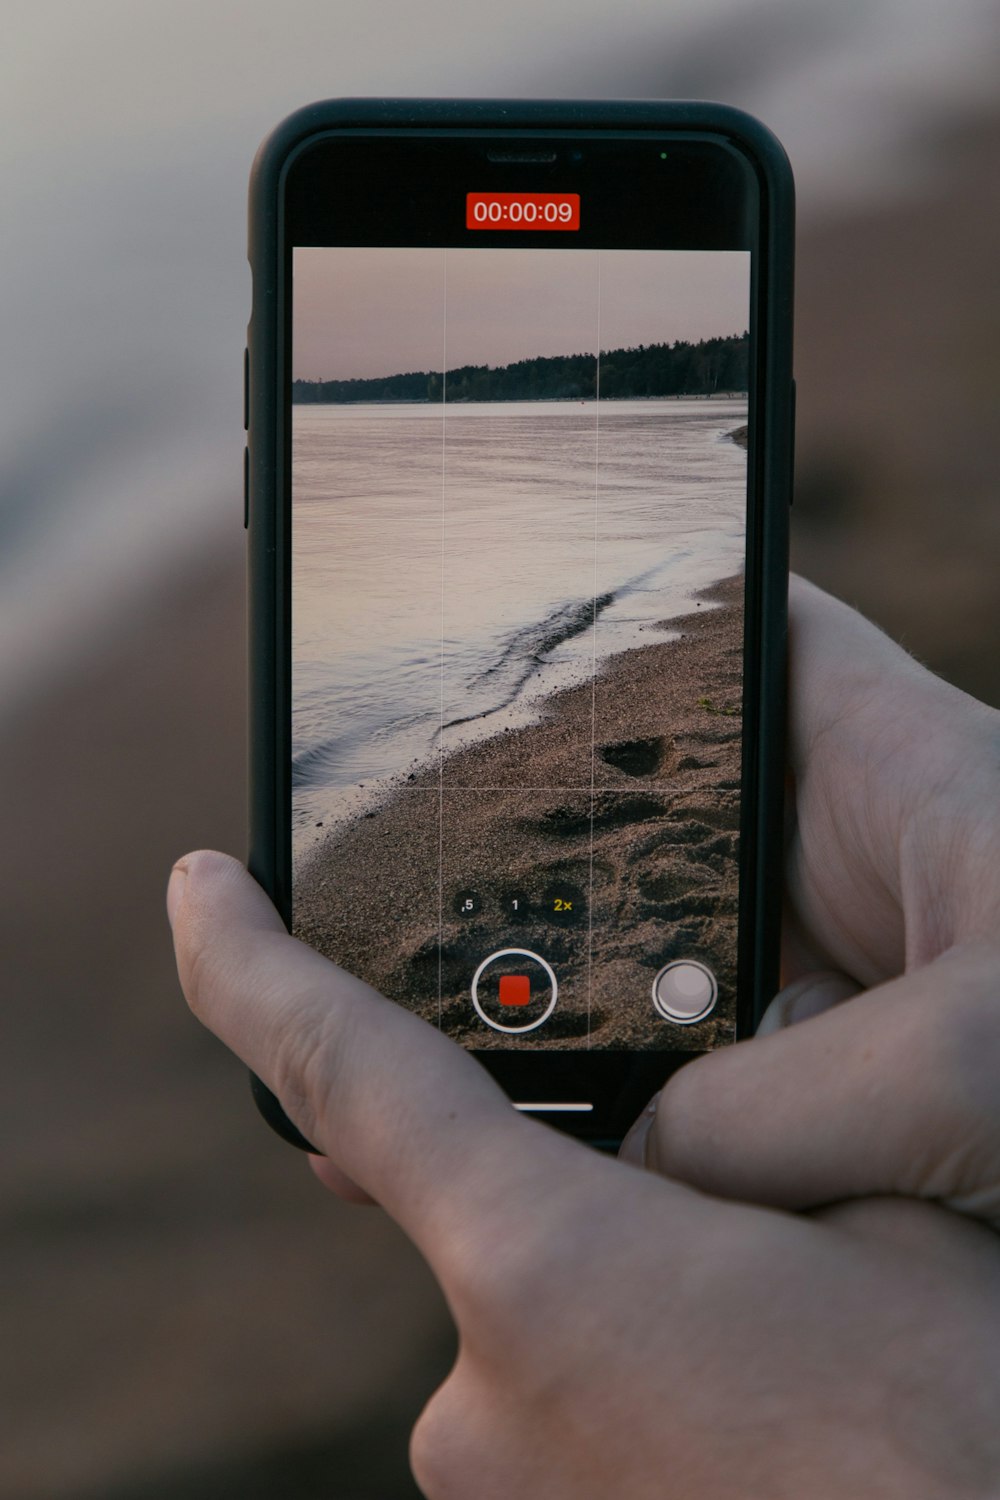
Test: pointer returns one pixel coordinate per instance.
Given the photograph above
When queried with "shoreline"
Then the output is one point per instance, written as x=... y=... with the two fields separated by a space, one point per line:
x=531 y=400
x=642 y=830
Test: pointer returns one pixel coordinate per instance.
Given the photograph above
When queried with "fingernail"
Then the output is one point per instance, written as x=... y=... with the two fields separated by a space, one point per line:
x=826 y=991
x=633 y=1147
x=175 y=891
x=806 y=997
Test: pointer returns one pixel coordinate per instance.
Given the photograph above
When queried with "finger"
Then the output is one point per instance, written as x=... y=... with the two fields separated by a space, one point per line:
x=404 y=1113
x=838 y=664
x=843 y=670
x=894 y=1092
x=801 y=953
x=810 y=995
x=635 y=1145
x=329 y=1174
x=881 y=818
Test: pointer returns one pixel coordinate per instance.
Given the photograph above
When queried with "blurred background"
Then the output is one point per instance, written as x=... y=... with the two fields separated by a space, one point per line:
x=182 y=1310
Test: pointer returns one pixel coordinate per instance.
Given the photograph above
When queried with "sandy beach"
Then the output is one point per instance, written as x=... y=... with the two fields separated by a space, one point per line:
x=643 y=842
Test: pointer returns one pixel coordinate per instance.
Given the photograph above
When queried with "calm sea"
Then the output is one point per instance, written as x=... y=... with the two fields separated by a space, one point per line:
x=454 y=564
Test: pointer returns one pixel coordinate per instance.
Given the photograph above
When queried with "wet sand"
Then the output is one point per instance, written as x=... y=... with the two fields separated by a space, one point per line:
x=641 y=836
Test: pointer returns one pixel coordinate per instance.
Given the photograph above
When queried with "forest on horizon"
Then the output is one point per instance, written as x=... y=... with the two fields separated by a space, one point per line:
x=679 y=369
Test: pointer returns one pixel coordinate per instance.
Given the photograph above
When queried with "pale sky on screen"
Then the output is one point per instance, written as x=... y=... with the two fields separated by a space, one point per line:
x=360 y=313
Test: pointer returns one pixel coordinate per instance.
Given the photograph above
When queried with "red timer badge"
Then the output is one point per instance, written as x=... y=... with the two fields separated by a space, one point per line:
x=522 y=211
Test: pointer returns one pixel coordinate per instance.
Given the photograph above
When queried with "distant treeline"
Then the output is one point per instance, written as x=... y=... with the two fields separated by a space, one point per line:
x=680 y=369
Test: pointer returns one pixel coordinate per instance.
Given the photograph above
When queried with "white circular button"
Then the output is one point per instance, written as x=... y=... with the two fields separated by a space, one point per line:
x=685 y=991
x=524 y=989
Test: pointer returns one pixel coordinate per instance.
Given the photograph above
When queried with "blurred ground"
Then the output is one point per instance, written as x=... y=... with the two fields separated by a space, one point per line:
x=184 y=1313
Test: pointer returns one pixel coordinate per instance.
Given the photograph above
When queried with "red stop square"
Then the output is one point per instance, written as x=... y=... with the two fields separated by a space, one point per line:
x=515 y=989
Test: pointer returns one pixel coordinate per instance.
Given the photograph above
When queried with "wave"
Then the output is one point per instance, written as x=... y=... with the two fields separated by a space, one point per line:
x=309 y=766
x=525 y=650
x=517 y=657
x=317 y=764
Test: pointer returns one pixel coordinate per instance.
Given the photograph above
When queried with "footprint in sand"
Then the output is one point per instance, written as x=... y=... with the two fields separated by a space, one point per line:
x=638 y=757
x=611 y=810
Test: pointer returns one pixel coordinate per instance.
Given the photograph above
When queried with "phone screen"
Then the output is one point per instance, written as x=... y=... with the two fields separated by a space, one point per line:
x=519 y=521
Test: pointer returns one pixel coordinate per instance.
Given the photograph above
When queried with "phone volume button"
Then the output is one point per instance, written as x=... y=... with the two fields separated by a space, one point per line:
x=246 y=390
x=791 y=444
x=246 y=488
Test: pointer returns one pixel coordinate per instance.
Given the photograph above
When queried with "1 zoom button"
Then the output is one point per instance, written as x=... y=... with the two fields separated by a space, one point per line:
x=514 y=990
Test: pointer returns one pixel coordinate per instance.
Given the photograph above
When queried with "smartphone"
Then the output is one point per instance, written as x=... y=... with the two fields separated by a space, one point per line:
x=519 y=410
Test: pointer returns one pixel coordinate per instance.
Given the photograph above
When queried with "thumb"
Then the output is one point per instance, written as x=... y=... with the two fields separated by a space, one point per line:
x=893 y=1093
x=404 y=1115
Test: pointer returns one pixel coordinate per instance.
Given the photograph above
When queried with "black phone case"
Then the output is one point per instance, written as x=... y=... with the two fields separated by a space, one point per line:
x=265 y=457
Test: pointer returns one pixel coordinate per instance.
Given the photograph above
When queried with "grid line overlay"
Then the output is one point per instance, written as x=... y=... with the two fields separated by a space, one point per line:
x=590 y=790
x=444 y=484
x=581 y=789
x=511 y=800
x=593 y=664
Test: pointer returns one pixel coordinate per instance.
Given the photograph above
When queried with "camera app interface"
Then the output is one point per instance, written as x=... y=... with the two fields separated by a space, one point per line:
x=518 y=526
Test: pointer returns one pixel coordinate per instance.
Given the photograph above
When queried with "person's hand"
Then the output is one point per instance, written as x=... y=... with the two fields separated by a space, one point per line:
x=893 y=882
x=621 y=1335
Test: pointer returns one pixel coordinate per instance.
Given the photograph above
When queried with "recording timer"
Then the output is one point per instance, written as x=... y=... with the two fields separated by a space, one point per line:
x=522 y=211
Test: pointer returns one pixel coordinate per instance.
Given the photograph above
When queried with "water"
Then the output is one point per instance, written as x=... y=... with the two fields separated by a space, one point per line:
x=454 y=565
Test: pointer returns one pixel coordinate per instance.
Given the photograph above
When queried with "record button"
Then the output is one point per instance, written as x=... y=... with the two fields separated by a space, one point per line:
x=514 y=990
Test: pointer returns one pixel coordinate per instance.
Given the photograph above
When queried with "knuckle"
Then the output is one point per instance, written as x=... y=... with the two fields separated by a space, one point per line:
x=950 y=1052
x=677 y=1123
x=306 y=1064
x=520 y=1290
x=425 y=1453
x=508 y=1284
x=968 y=1036
x=507 y=1242
x=434 y=1459
x=950 y=1038
x=519 y=1302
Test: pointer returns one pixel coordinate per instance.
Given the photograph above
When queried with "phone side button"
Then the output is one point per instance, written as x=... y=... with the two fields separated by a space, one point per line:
x=791 y=446
x=246 y=489
x=246 y=390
